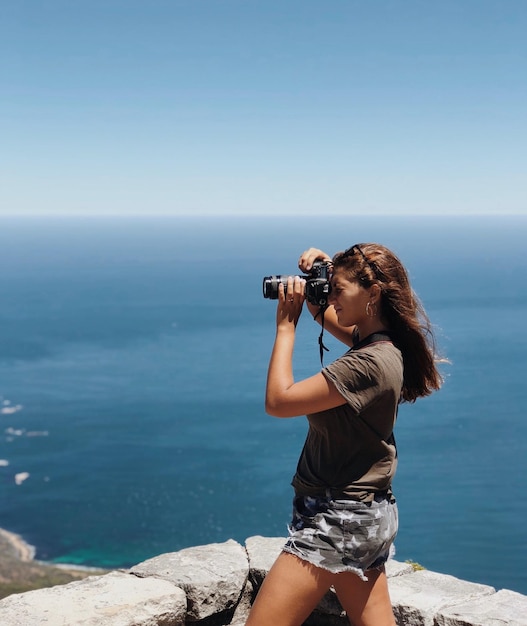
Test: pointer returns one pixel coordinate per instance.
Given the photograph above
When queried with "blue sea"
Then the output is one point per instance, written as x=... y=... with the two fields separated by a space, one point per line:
x=133 y=357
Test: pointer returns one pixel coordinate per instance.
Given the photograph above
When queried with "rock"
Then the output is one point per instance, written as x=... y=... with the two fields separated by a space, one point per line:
x=396 y=568
x=417 y=597
x=262 y=553
x=504 y=607
x=212 y=576
x=115 y=599
x=215 y=585
x=244 y=606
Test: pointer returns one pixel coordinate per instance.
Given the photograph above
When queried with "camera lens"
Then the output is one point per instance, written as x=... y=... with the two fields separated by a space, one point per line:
x=270 y=286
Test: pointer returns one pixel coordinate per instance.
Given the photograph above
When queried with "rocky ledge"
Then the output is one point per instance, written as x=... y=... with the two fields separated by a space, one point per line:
x=215 y=584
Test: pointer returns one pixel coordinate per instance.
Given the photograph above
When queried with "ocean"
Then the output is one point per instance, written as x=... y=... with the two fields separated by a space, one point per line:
x=133 y=357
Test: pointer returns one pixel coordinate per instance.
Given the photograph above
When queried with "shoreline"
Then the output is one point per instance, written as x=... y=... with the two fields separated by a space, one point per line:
x=24 y=551
x=20 y=571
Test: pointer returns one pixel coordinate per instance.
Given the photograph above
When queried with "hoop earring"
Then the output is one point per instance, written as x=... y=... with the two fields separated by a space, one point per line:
x=371 y=309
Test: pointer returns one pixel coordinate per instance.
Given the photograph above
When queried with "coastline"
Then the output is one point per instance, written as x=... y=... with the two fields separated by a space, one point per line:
x=19 y=571
x=23 y=551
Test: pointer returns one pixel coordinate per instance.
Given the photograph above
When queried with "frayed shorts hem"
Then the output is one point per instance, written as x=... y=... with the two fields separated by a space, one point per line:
x=340 y=569
x=353 y=570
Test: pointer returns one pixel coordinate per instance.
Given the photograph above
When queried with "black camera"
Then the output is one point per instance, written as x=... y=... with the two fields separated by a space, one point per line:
x=317 y=288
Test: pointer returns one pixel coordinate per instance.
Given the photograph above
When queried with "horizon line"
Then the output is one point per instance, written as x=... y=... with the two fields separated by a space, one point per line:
x=250 y=215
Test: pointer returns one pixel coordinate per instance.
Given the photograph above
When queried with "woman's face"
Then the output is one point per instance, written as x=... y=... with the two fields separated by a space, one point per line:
x=349 y=299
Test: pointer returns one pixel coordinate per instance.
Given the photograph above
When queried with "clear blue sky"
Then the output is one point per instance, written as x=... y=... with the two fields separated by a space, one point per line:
x=263 y=106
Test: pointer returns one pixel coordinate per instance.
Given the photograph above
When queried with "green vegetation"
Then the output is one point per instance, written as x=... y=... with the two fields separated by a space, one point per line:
x=416 y=566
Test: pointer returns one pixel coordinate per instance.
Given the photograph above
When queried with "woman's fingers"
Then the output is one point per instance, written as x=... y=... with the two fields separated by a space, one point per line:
x=290 y=289
x=296 y=287
x=308 y=257
x=291 y=299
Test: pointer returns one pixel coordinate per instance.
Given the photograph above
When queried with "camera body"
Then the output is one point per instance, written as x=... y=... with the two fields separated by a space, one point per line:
x=317 y=288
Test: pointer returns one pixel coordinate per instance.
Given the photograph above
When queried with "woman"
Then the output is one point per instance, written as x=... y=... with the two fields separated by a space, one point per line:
x=344 y=513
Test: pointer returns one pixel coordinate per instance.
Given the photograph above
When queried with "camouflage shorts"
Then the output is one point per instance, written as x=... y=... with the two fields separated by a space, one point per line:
x=343 y=535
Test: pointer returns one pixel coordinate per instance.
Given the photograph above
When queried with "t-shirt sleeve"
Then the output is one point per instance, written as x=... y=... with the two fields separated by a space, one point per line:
x=357 y=377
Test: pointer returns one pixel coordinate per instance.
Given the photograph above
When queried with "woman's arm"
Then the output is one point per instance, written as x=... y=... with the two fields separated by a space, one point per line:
x=342 y=333
x=284 y=397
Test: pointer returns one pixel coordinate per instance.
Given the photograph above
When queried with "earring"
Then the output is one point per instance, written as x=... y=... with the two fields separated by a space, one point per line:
x=371 y=309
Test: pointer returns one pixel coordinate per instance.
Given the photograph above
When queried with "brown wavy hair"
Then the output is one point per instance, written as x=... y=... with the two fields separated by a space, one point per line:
x=401 y=310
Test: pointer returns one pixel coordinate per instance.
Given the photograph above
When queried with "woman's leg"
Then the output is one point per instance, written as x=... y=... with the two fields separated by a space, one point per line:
x=367 y=603
x=290 y=592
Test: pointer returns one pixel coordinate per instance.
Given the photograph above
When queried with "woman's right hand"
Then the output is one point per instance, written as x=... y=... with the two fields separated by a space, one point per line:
x=307 y=258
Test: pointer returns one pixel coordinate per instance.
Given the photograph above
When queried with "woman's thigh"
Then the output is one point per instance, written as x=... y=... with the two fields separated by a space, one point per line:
x=366 y=602
x=290 y=592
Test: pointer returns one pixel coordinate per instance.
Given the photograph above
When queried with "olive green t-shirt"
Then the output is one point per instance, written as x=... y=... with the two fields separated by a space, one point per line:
x=350 y=449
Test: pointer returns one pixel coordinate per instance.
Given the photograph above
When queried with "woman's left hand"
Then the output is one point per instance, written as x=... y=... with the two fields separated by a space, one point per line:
x=290 y=301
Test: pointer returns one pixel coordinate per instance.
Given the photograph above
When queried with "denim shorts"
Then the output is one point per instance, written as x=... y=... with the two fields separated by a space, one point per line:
x=343 y=535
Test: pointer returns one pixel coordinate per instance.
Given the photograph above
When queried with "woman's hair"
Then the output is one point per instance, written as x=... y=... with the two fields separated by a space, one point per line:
x=409 y=326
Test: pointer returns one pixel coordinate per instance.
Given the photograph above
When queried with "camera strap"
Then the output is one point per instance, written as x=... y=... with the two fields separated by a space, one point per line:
x=321 y=345
x=382 y=335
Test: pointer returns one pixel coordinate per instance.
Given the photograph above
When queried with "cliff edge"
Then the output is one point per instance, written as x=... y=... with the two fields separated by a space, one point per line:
x=215 y=584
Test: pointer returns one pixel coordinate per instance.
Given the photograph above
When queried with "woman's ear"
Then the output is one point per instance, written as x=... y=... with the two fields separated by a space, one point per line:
x=375 y=294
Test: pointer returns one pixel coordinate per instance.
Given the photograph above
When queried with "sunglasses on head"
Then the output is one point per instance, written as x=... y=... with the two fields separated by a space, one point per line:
x=371 y=264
